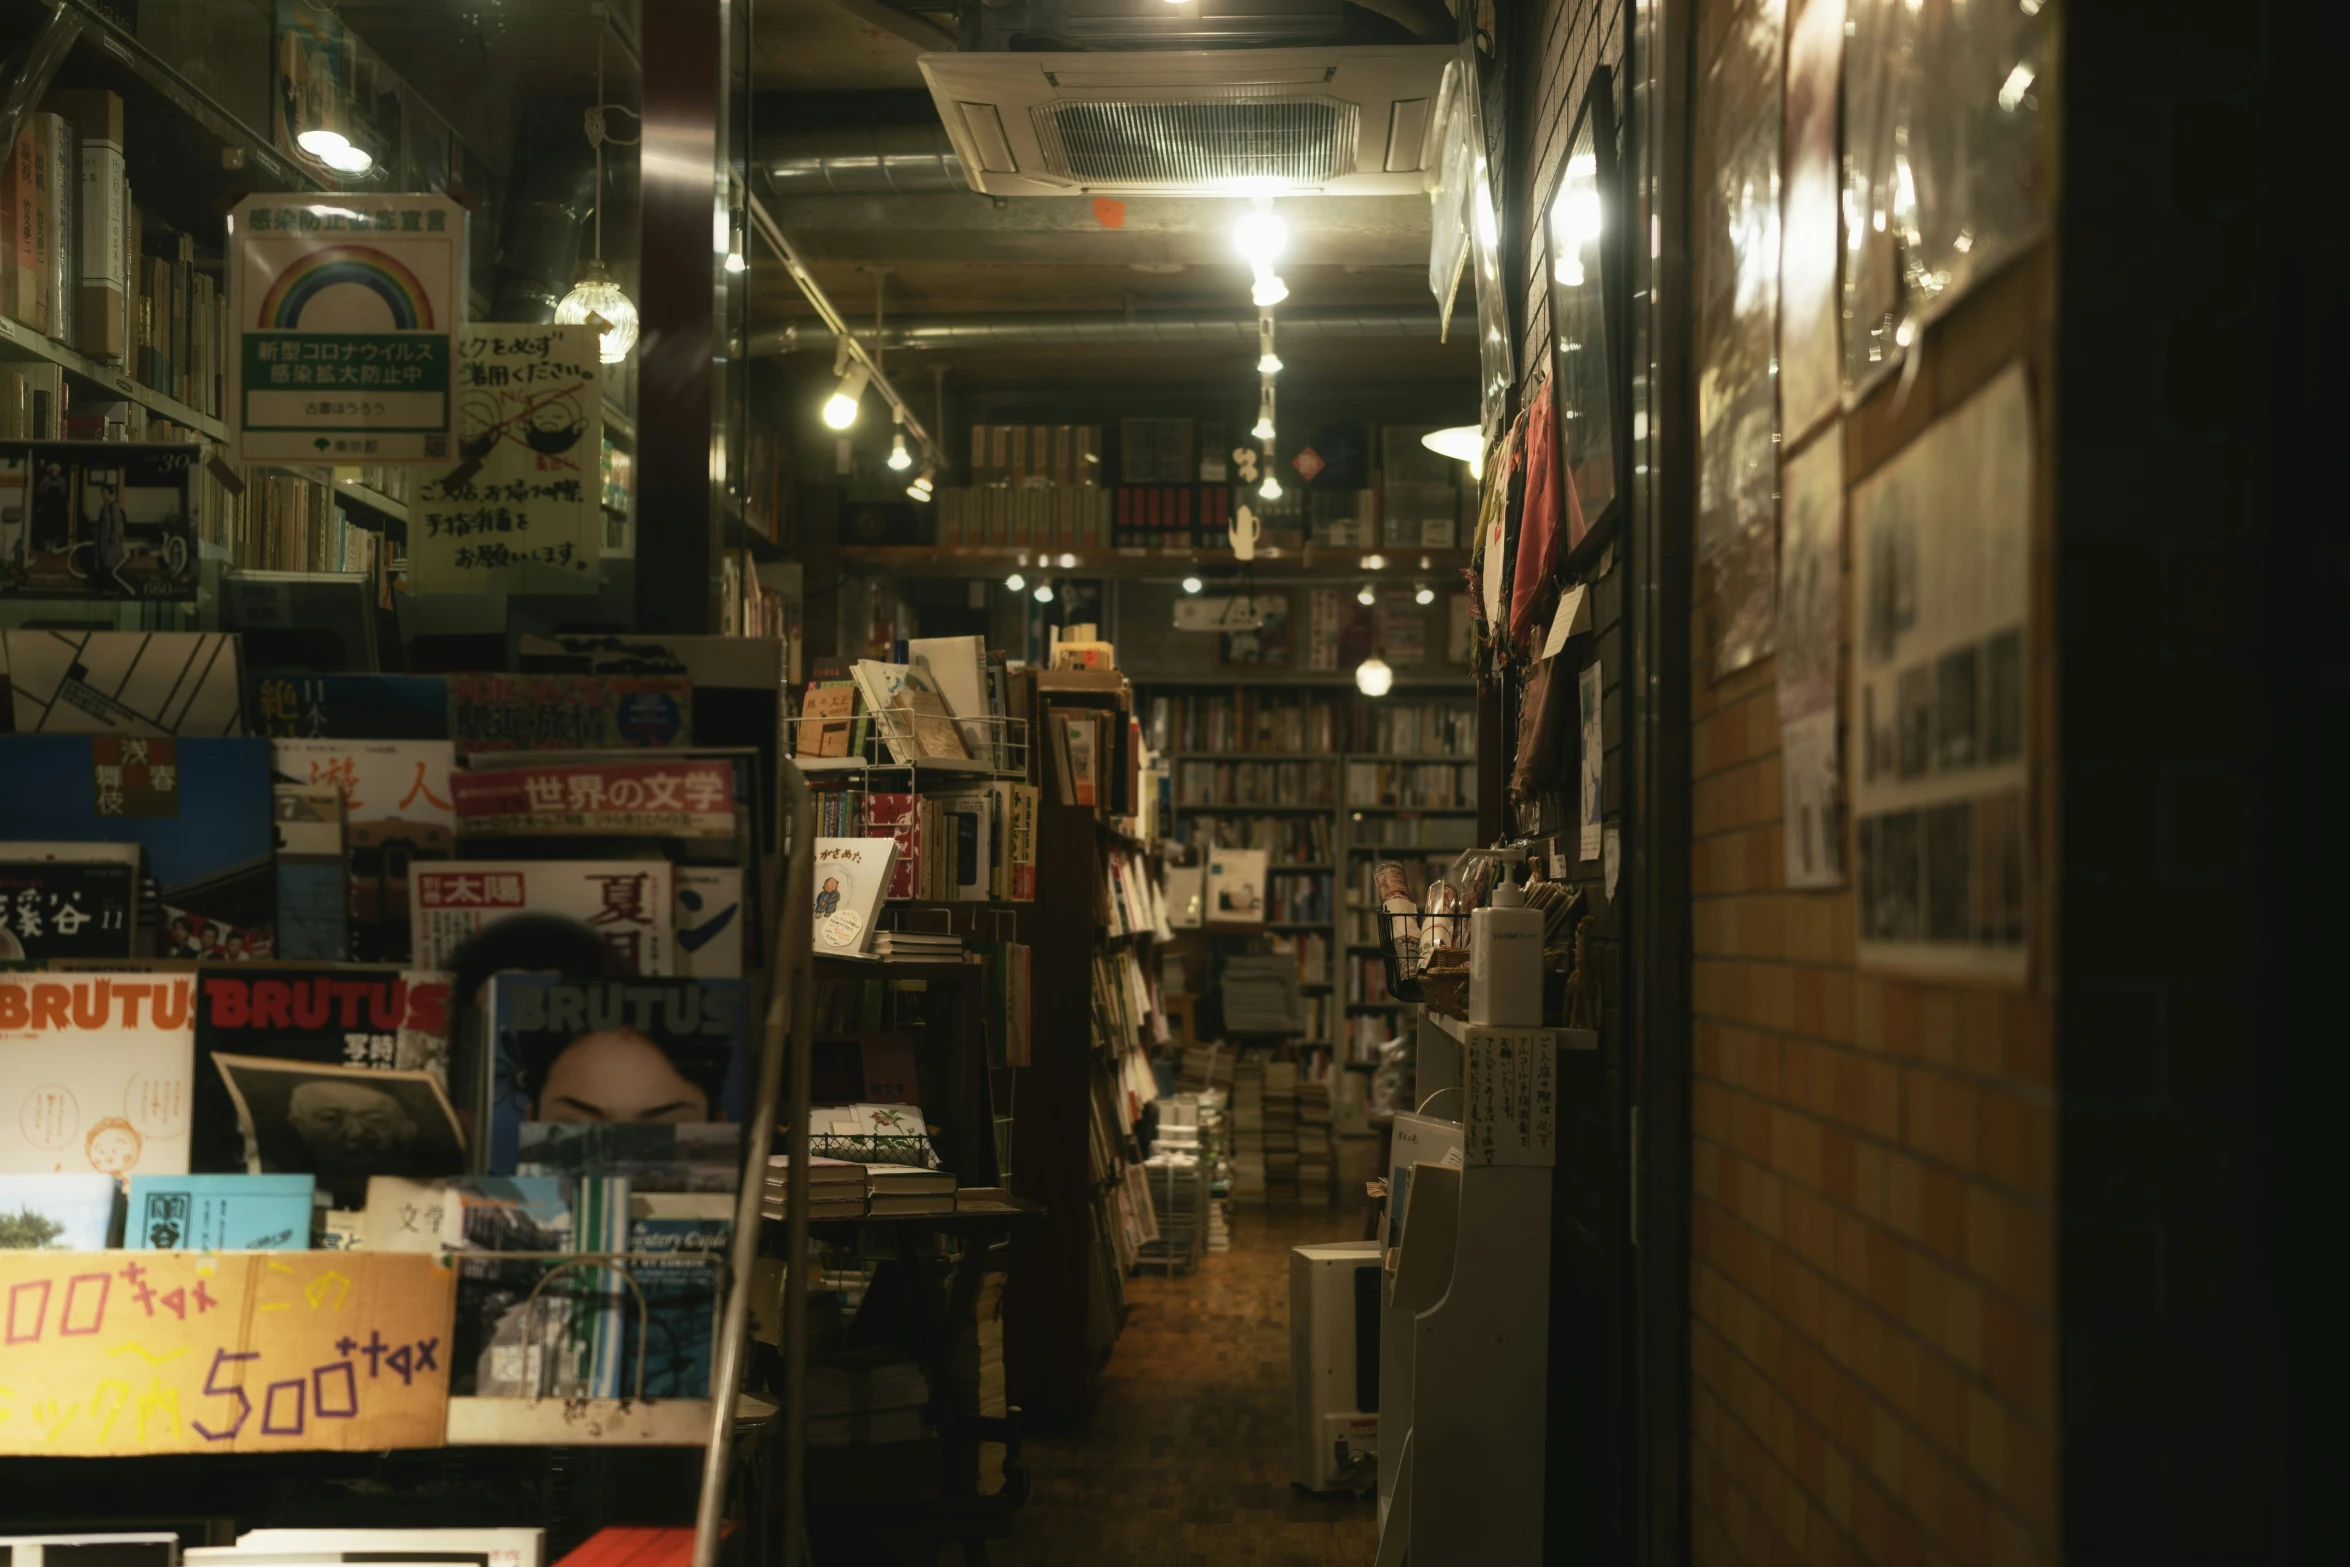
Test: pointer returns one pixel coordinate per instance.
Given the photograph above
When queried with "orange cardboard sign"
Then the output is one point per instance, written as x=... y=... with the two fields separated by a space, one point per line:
x=106 y=1353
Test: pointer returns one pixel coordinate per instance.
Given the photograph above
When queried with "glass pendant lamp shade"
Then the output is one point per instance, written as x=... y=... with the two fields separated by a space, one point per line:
x=596 y=297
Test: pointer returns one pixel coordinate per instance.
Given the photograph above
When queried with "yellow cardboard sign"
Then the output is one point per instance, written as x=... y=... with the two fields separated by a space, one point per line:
x=111 y=1353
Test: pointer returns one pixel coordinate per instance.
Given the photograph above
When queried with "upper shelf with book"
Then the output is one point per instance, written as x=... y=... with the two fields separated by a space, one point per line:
x=904 y=560
x=21 y=344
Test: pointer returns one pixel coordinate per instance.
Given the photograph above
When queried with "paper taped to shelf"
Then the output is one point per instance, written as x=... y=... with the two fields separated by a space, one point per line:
x=106 y=1354
x=1510 y=1082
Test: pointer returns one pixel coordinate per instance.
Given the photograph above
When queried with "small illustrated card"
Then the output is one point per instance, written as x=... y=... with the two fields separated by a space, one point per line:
x=852 y=874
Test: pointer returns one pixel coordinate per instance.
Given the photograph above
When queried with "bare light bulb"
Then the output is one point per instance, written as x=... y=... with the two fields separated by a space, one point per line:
x=1192 y=584
x=840 y=409
x=1268 y=291
x=899 y=458
x=1366 y=595
x=1044 y=593
x=1263 y=428
x=1425 y=595
x=1270 y=364
x=1015 y=582
x=1270 y=489
x=1373 y=677
x=1260 y=236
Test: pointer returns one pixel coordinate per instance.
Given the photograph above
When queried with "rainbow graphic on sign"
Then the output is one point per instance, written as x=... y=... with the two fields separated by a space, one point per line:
x=360 y=266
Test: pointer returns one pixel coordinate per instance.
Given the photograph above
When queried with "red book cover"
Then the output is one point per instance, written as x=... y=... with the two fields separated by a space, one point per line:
x=899 y=816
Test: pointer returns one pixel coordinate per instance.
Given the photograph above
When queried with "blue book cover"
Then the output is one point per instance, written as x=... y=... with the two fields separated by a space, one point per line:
x=691 y=1230
x=615 y=1052
x=57 y=1212
x=350 y=707
x=219 y=1213
x=200 y=808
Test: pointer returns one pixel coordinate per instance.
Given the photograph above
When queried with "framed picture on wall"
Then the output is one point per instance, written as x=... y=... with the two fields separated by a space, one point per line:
x=1262 y=646
x=1583 y=223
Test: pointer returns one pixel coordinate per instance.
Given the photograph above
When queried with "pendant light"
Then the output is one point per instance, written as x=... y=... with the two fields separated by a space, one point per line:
x=595 y=300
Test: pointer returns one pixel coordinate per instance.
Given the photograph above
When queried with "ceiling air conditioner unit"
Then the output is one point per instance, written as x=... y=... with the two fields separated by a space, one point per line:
x=1339 y=121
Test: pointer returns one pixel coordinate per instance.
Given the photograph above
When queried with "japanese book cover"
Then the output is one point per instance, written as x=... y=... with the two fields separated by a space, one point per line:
x=690 y=1231
x=852 y=874
x=898 y=817
x=630 y=903
x=219 y=1213
x=382 y=1019
x=712 y=931
x=668 y=799
x=95 y=1072
x=568 y=712
x=199 y=808
x=350 y=707
x=126 y=682
x=313 y=879
x=398 y=808
x=109 y=521
x=68 y=900
x=611 y=1051
x=74 y=1212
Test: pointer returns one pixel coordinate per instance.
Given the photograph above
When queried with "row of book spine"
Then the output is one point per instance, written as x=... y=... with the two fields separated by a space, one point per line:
x=1005 y=517
x=1286 y=840
x=1405 y=785
x=1252 y=783
x=83 y=266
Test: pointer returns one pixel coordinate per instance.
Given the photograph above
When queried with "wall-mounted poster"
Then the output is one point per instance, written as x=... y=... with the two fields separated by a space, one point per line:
x=522 y=512
x=1262 y=646
x=1939 y=678
x=1810 y=366
x=97 y=521
x=345 y=311
x=1737 y=285
x=1582 y=257
x=1947 y=161
x=1810 y=676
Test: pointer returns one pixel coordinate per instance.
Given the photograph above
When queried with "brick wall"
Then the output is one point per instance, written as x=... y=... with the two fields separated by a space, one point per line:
x=1873 y=1225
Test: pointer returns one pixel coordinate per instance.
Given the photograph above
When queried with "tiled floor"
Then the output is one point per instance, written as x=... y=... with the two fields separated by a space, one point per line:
x=1186 y=1462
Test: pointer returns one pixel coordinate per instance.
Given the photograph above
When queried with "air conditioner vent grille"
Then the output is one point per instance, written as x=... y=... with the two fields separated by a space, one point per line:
x=1203 y=141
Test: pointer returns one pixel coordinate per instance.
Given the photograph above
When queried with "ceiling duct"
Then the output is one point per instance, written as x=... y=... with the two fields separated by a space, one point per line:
x=1195 y=122
x=872 y=160
x=1210 y=329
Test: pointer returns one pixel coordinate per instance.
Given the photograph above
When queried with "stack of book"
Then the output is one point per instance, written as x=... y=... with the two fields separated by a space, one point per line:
x=1280 y=1118
x=1178 y=1182
x=907 y=946
x=1313 y=1142
x=836 y=1189
x=1248 y=1127
x=908 y=1189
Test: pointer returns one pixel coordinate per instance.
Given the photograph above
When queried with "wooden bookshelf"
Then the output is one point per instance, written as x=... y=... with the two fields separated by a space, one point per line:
x=911 y=560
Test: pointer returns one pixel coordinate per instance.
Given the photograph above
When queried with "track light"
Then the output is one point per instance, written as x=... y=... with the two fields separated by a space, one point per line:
x=1068 y=563
x=899 y=458
x=1015 y=582
x=1263 y=428
x=1268 y=291
x=920 y=488
x=735 y=264
x=1260 y=236
x=1268 y=362
x=1424 y=595
x=1373 y=677
x=1192 y=584
x=1374 y=563
x=1270 y=489
x=1044 y=593
x=840 y=409
x=1366 y=595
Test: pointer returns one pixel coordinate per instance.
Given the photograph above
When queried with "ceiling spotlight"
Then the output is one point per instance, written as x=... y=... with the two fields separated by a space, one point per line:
x=1192 y=584
x=1015 y=582
x=1068 y=563
x=323 y=144
x=1260 y=236
x=920 y=488
x=1366 y=595
x=1270 y=489
x=1269 y=290
x=1462 y=443
x=1374 y=563
x=1268 y=362
x=735 y=263
x=1424 y=594
x=1044 y=593
x=1263 y=428
x=840 y=409
x=899 y=458
x=1373 y=677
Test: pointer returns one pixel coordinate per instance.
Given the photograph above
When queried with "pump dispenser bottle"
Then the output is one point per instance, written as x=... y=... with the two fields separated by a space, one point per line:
x=1505 y=959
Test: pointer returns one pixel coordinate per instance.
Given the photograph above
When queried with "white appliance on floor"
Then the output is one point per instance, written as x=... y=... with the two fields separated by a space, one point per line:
x=1334 y=1364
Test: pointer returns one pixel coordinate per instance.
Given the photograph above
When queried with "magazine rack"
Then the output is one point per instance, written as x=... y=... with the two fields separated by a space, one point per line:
x=999 y=747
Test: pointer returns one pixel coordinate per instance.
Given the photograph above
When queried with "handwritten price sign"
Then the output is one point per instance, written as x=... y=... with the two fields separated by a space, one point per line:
x=108 y=1353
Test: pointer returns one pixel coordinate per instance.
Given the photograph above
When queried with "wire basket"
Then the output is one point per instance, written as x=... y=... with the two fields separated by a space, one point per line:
x=1405 y=940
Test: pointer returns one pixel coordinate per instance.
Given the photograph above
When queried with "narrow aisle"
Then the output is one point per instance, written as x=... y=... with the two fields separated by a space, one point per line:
x=1187 y=1460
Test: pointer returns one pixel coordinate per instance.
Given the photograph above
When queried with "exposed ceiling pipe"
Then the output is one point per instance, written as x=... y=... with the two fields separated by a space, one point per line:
x=1113 y=329
x=868 y=160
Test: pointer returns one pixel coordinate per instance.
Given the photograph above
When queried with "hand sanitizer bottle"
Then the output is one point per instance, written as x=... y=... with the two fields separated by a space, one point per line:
x=1505 y=959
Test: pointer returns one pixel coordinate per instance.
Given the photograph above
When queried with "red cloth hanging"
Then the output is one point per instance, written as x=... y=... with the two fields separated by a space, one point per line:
x=1532 y=590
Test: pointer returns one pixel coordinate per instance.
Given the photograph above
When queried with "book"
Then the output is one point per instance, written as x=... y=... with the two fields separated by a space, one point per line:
x=568 y=712
x=199 y=808
x=914 y=717
x=629 y=903
x=613 y=1052
x=21 y=194
x=183 y=683
x=101 y=204
x=827 y=714
x=313 y=880
x=350 y=707
x=372 y=1018
x=680 y=1156
x=98 y=517
x=68 y=900
x=499 y=1547
x=219 y=1213
x=1079 y=739
x=957 y=670
x=899 y=817
x=339 y=1123
x=667 y=799
x=91 y=1550
x=677 y=1243
x=59 y=1212
x=711 y=923
x=398 y=808
x=99 y=1069
x=852 y=876
x=61 y=183
x=885 y=1134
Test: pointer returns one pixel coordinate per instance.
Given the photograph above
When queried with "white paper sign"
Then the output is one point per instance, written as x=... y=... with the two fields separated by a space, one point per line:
x=523 y=510
x=1574 y=615
x=1510 y=1097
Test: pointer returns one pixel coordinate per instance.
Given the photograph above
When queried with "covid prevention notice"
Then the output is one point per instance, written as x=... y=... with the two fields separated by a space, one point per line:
x=110 y=1353
x=345 y=311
